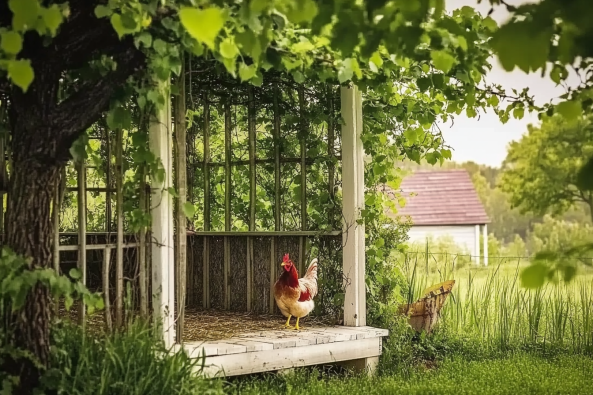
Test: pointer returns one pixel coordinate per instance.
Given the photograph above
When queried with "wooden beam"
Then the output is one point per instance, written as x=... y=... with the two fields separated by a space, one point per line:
x=160 y=141
x=282 y=233
x=181 y=169
x=107 y=302
x=142 y=261
x=227 y=202
x=485 y=241
x=252 y=193
x=206 y=244
x=477 y=245
x=303 y=151
x=331 y=139
x=353 y=203
x=82 y=233
x=277 y=196
x=108 y=189
x=119 y=251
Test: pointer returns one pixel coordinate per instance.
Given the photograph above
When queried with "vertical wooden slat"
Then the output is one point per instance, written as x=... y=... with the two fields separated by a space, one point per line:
x=277 y=194
x=142 y=269
x=181 y=250
x=56 y=226
x=3 y=175
x=82 y=233
x=330 y=153
x=227 y=202
x=303 y=149
x=119 y=260
x=107 y=303
x=206 y=261
x=252 y=193
x=108 y=212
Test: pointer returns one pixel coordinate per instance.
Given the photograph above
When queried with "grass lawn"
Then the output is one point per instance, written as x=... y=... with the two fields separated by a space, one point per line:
x=518 y=374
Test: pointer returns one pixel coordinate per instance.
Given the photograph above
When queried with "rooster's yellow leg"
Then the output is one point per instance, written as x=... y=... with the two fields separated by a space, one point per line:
x=288 y=321
x=297 y=325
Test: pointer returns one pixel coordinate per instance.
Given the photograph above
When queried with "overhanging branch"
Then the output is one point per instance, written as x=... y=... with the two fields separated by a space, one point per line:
x=78 y=112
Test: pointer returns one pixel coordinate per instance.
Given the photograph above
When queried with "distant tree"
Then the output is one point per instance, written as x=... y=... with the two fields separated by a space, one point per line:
x=540 y=171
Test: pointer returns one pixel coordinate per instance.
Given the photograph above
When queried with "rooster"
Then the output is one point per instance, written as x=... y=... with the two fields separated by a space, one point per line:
x=294 y=295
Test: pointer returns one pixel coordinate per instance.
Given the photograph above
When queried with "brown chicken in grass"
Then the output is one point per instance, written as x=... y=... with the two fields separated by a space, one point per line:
x=294 y=295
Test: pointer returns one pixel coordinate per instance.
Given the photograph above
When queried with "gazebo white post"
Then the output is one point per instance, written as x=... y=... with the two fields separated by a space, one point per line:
x=477 y=245
x=485 y=244
x=162 y=244
x=353 y=203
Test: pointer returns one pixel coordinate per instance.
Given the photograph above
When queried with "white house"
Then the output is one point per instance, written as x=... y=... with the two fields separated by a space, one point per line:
x=443 y=203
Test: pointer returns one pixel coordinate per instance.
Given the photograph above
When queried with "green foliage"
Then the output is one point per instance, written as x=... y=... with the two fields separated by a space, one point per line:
x=127 y=362
x=17 y=281
x=521 y=373
x=541 y=170
x=384 y=280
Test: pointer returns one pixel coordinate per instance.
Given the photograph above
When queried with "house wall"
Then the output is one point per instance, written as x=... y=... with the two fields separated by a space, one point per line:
x=463 y=235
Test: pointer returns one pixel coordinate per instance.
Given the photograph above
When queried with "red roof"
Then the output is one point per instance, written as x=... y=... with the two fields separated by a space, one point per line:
x=442 y=198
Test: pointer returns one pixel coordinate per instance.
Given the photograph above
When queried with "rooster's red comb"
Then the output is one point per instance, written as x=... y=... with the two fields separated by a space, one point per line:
x=286 y=258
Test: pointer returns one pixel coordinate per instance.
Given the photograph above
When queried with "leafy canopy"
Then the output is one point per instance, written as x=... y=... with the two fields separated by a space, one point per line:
x=541 y=170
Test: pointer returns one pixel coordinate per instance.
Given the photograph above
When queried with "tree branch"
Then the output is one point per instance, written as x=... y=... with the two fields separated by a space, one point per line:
x=78 y=112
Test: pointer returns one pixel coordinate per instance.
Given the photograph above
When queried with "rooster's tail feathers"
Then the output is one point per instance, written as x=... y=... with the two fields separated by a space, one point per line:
x=312 y=270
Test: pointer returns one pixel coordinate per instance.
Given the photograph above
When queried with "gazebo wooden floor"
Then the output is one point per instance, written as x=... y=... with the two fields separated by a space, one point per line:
x=273 y=350
x=245 y=343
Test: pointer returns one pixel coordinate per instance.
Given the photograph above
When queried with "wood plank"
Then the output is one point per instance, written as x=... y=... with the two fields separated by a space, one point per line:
x=251 y=345
x=278 y=343
x=286 y=358
x=199 y=349
x=368 y=330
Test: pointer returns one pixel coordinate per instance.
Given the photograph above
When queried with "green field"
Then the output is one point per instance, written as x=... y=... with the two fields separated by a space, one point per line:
x=516 y=374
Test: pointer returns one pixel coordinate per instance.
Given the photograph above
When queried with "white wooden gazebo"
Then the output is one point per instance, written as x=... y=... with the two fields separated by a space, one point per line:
x=353 y=344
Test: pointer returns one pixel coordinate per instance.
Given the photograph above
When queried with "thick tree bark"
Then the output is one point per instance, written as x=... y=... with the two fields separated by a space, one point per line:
x=30 y=233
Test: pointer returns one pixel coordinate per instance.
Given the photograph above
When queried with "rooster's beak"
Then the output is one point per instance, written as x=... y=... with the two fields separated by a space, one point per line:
x=283 y=264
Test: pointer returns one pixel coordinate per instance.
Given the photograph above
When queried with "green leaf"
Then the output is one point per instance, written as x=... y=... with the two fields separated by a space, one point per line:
x=410 y=135
x=53 y=18
x=518 y=112
x=299 y=78
x=523 y=45
x=247 y=72
x=570 y=110
x=376 y=60
x=299 y=11
x=119 y=118
x=75 y=274
x=102 y=11
x=11 y=42
x=78 y=149
x=24 y=13
x=442 y=60
x=569 y=273
x=203 y=25
x=118 y=26
x=534 y=276
x=21 y=73
x=490 y=24
x=585 y=176
x=228 y=49
x=188 y=209
x=160 y=46
x=423 y=83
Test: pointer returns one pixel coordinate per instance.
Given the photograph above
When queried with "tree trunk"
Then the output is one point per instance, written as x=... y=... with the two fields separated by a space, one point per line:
x=30 y=233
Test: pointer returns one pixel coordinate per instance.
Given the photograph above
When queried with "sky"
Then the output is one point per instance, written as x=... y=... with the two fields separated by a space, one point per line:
x=484 y=140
